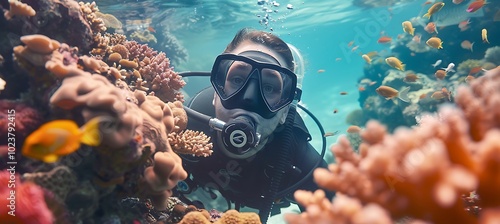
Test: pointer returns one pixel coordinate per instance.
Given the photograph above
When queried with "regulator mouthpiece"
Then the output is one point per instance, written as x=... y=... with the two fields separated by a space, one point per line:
x=239 y=135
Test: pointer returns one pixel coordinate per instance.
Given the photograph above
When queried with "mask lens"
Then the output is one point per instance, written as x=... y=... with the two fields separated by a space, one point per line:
x=231 y=74
x=231 y=77
x=276 y=87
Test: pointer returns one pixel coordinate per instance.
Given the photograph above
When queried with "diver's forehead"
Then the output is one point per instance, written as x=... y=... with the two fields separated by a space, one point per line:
x=251 y=46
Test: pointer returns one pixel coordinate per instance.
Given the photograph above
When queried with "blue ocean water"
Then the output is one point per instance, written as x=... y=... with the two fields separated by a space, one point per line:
x=321 y=30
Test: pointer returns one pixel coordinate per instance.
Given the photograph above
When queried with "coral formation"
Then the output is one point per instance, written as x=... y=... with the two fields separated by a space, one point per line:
x=143 y=37
x=229 y=217
x=492 y=55
x=27 y=119
x=421 y=173
x=26 y=204
x=18 y=8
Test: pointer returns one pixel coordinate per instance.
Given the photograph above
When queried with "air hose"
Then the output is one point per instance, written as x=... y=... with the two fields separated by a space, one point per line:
x=280 y=166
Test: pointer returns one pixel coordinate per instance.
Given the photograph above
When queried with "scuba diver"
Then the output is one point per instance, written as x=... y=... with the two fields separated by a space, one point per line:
x=261 y=150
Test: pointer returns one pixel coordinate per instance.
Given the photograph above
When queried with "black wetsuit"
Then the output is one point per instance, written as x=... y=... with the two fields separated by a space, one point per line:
x=245 y=181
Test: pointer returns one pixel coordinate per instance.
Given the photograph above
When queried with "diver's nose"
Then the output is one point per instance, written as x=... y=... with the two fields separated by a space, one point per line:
x=251 y=94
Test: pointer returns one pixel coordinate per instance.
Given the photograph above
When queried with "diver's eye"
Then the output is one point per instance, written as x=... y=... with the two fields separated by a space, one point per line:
x=237 y=81
x=268 y=89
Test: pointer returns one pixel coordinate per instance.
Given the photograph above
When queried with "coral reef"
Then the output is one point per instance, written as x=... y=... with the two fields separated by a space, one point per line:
x=492 y=55
x=143 y=37
x=26 y=204
x=27 y=119
x=421 y=173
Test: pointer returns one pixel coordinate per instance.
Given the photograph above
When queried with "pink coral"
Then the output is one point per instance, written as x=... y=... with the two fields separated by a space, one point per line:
x=156 y=71
x=27 y=202
x=423 y=173
x=26 y=119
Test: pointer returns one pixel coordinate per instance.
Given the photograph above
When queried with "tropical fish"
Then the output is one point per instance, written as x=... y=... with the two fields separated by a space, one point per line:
x=328 y=134
x=384 y=39
x=467 y=45
x=410 y=77
x=395 y=63
x=444 y=93
x=464 y=25
x=389 y=93
x=438 y=62
x=449 y=68
x=366 y=58
x=321 y=70
x=431 y=28
x=453 y=14
x=457 y=1
x=476 y=5
x=408 y=27
x=440 y=74
x=433 y=9
x=417 y=38
x=59 y=138
x=435 y=42
x=343 y=93
x=484 y=36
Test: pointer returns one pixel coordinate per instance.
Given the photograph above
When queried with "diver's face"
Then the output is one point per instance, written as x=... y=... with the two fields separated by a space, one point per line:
x=264 y=126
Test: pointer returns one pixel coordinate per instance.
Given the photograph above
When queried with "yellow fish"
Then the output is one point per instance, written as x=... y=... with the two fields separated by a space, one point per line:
x=484 y=36
x=59 y=138
x=367 y=58
x=395 y=63
x=433 y=9
x=408 y=27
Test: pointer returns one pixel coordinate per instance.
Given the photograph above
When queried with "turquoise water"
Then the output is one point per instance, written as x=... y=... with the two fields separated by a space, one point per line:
x=321 y=30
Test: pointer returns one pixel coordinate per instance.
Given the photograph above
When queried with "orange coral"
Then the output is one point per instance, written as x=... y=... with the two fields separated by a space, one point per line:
x=229 y=217
x=423 y=173
x=18 y=8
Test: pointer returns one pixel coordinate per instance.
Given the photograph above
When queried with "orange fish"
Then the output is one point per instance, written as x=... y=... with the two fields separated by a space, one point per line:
x=433 y=9
x=476 y=5
x=444 y=93
x=422 y=96
x=435 y=42
x=395 y=63
x=440 y=74
x=410 y=77
x=384 y=39
x=361 y=89
x=389 y=93
x=431 y=28
x=321 y=70
x=59 y=138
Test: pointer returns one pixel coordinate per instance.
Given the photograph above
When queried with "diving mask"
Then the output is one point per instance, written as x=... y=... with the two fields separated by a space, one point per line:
x=253 y=81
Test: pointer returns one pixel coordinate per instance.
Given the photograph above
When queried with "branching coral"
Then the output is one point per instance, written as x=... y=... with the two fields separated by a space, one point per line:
x=155 y=69
x=190 y=142
x=423 y=173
